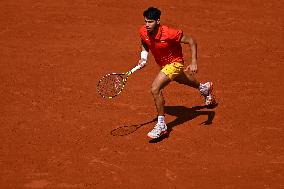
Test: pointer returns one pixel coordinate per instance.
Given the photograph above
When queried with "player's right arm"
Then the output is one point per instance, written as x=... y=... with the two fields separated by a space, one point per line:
x=144 y=54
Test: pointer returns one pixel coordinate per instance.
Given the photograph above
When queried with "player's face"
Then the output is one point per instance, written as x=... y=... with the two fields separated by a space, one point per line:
x=151 y=25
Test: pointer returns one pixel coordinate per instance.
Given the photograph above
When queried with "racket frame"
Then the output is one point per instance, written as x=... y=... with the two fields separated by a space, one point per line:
x=123 y=75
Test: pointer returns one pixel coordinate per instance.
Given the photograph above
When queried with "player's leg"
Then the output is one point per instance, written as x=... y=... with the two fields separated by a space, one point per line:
x=205 y=89
x=160 y=82
x=187 y=79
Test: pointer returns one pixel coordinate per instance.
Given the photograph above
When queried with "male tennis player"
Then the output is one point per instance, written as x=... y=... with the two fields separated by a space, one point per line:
x=165 y=45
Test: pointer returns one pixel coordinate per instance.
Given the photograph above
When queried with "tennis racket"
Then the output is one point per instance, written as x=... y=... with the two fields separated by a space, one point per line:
x=112 y=84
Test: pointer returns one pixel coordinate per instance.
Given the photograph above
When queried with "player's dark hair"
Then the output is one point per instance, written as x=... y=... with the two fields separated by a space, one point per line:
x=152 y=13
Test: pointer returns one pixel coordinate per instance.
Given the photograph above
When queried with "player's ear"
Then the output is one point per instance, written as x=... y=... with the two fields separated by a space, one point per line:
x=158 y=21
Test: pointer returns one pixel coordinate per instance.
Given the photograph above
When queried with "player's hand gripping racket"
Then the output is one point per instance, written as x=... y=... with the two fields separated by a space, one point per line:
x=112 y=84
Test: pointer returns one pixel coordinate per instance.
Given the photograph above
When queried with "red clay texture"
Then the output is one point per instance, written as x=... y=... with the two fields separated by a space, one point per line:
x=56 y=131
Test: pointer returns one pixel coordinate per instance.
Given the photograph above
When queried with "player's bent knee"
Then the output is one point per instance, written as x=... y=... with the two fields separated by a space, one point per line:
x=155 y=90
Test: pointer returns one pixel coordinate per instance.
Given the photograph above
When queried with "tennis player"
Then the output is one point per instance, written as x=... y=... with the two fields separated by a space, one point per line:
x=165 y=45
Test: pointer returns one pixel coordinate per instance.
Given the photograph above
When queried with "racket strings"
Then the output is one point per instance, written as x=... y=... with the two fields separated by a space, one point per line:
x=111 y=85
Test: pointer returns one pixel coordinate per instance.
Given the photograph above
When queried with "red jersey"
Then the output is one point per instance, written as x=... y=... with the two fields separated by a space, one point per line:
x=165 y=46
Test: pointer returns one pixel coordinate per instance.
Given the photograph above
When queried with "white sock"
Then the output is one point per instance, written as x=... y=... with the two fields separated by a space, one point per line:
x=161 y=119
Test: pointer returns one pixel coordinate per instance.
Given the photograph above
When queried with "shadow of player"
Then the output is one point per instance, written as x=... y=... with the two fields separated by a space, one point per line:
x=184 y=114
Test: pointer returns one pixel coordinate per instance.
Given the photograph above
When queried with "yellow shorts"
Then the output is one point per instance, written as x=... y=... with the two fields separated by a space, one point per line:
x=173 y=69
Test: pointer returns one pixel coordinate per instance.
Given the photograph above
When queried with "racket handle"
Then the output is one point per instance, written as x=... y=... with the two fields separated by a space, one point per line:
x=135 y=69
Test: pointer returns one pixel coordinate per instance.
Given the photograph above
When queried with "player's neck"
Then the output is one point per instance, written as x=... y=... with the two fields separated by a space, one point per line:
x=155 y=31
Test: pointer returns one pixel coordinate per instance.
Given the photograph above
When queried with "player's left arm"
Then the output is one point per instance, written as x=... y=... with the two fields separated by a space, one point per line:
x=193 y=48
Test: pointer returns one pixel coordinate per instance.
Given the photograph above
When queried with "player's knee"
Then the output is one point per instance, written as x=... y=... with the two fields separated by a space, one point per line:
x=155 y=90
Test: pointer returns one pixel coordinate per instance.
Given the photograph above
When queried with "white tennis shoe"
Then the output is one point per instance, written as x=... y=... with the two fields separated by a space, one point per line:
x=206 y=90
x=159 y=130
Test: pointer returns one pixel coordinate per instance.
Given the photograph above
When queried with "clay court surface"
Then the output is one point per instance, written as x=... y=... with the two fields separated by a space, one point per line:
x=57 y=132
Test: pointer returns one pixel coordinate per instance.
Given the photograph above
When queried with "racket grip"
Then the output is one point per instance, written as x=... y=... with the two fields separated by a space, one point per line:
x=135 y=69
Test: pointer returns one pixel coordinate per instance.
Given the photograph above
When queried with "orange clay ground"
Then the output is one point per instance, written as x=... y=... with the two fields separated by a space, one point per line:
x=57 y=132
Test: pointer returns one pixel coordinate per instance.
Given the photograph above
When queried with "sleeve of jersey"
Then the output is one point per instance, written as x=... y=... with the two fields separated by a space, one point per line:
x=141 y=33
x=175 y=35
